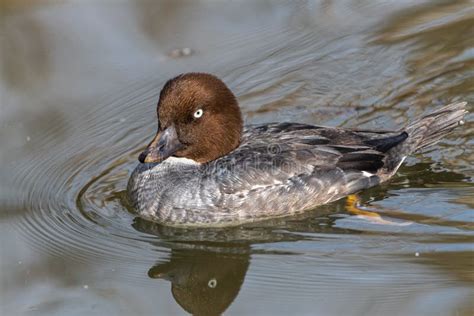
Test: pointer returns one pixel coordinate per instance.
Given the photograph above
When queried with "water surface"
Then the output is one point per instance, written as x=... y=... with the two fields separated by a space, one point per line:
x=79 y=82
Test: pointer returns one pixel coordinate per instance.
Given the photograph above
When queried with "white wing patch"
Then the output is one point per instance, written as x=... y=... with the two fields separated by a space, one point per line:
x=367 y=174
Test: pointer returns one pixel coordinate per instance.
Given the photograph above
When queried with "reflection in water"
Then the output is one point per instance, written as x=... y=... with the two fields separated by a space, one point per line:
x=203 y=282
x=206 y=271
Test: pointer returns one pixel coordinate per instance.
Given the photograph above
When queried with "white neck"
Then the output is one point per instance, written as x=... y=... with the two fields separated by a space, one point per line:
x=181 y=160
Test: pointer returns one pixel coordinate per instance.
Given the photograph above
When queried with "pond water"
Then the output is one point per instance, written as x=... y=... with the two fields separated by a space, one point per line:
x=79 y=81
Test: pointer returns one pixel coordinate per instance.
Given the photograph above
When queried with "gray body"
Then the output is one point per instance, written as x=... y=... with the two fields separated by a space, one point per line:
x=280 y=169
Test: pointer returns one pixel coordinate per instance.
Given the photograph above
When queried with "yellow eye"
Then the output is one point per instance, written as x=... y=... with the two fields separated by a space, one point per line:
x=198 y=113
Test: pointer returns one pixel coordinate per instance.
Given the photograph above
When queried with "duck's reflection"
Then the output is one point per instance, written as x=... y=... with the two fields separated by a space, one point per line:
x=203 y=282
x=207 y=266
x=205 y=270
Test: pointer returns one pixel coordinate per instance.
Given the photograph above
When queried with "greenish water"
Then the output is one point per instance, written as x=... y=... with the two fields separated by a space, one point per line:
x=78 y=86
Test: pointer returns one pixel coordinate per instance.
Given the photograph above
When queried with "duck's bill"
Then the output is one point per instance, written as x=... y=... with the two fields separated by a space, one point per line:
x=164 y=145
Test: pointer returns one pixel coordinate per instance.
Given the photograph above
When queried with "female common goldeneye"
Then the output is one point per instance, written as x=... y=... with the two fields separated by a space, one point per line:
x=203 y=168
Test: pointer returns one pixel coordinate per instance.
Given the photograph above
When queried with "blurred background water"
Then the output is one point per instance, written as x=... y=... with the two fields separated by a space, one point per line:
x=79 y=81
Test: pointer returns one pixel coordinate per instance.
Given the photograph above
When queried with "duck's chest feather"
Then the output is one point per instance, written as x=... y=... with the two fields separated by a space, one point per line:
x=278 y=170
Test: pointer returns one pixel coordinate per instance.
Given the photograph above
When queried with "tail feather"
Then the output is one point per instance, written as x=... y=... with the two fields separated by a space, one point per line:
x=423 y=132
x=429 y=129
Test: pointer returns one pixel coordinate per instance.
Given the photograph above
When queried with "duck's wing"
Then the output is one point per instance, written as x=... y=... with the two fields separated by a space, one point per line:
x=293 y=154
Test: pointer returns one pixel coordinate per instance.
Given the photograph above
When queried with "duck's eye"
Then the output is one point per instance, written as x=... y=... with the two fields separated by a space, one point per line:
x=212 y=283
x=198 y=113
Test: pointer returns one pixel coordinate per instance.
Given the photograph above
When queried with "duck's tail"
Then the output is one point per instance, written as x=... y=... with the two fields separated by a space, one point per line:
x=429 y=129
x=423 y=132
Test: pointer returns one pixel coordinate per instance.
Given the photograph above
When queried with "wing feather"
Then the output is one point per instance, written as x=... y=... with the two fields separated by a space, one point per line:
x=284 y=154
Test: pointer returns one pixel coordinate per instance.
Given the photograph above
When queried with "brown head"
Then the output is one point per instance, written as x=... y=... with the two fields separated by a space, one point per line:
x=198 y=119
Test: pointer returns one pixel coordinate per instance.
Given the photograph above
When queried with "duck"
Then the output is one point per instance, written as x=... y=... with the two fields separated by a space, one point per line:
x=205 y=168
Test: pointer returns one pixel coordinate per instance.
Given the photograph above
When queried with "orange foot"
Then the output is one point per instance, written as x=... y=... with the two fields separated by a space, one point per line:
x=353 y=207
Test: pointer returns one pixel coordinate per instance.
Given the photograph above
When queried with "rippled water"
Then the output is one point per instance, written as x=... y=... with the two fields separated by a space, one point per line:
x=78 y=85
